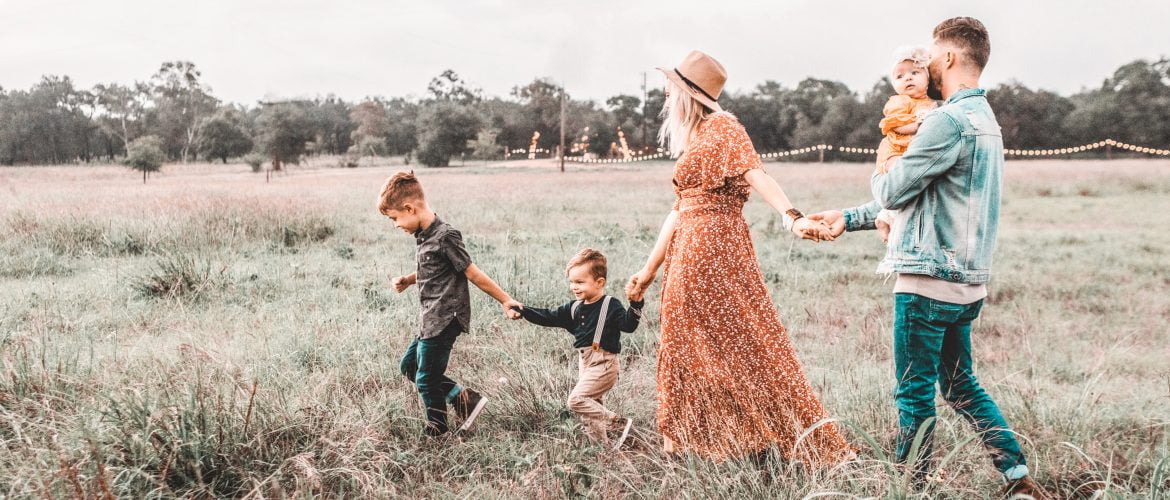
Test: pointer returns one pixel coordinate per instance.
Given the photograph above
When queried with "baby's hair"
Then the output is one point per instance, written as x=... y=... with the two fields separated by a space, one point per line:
x=913 y=53
x=595 y=260
x=399 y=189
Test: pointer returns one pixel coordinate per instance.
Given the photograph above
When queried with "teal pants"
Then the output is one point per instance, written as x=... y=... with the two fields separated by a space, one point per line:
x=932 y=345
x=425 y=364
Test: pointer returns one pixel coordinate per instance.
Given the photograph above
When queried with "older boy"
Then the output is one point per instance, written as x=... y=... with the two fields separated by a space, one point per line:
x=443 y=270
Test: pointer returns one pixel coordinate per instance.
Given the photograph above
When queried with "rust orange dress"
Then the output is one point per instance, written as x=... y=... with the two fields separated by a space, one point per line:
x=729 y=382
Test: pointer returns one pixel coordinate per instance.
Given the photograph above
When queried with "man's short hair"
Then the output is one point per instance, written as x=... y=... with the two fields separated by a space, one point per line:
x=594 y=259
x=399 y=189
x=968 y=34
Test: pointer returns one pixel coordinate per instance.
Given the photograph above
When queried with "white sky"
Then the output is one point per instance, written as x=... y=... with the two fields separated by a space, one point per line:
x=249 y=49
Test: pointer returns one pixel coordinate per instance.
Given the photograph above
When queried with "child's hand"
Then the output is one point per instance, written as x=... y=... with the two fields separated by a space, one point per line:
x=634 y=294
x=512 y=309
x=401 y=283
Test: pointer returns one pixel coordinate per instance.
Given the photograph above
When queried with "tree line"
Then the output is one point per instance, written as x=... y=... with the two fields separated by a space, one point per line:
x=174 y=116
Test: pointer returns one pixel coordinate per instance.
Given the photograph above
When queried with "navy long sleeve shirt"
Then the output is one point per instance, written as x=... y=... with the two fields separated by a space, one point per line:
x=584 y=325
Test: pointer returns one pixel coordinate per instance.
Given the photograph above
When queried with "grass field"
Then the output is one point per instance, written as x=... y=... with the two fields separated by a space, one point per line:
x=210 y=334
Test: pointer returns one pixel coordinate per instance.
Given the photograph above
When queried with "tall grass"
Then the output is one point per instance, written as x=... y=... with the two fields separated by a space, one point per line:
x=247 y=344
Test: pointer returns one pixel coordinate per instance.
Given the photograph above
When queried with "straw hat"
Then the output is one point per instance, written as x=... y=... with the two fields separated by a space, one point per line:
x=701 y=76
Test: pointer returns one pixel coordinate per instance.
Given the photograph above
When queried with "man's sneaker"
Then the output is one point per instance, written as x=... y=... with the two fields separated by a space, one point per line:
x=1024 y=487
x=468 y=405
x=623 y=424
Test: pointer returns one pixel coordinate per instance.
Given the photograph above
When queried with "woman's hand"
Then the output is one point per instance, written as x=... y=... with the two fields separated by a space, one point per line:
x=639 y=282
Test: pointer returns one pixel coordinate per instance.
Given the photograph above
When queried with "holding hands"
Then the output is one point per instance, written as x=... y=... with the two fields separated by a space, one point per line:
x=809 y=229
x=636 y=287
x=512 y=309
x=834 y=220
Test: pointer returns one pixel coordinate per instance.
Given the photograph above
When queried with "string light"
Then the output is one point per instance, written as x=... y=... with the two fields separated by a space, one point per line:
x=871 y=151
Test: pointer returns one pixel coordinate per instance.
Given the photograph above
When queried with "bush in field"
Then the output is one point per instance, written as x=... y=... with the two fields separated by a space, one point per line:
x=254 y=160
x=145 y=154
x=177 y=277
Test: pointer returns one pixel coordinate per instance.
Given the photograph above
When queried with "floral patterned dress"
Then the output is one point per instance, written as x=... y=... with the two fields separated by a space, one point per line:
x=729 y=383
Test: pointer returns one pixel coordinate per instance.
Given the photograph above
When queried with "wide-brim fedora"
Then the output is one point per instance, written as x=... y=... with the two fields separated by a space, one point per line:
x=700 y=76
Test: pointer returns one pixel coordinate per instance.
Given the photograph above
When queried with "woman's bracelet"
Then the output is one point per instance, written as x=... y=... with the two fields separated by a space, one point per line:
x=790 y=217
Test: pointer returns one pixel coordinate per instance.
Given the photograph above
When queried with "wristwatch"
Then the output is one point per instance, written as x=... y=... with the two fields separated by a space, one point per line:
x=794 y=214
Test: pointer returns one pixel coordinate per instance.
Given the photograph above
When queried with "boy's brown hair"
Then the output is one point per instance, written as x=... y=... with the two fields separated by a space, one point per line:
x=594 y=259
x=399 y=189
x=968 y=34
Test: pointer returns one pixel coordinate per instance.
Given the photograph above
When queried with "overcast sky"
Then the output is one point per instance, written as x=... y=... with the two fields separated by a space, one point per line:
x=292 y=48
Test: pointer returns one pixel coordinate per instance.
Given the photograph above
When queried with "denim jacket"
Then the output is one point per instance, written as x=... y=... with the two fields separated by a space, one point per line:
x=948 y=184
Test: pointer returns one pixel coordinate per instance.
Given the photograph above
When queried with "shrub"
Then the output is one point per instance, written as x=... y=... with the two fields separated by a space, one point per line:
x=254 y=160
x=145 y=154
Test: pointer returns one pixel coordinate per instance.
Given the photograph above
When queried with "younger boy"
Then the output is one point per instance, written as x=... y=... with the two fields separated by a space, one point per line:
x=443 y=270
x=596 y=321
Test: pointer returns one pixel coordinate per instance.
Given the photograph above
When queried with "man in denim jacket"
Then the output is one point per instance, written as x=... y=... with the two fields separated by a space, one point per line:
x=948 y=186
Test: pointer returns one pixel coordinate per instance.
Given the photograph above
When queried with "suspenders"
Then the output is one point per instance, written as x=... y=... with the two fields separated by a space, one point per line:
x=600 y=319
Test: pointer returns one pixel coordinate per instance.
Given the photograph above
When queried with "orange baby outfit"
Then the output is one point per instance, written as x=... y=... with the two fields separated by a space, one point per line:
x=900 y=110
x=729 y=382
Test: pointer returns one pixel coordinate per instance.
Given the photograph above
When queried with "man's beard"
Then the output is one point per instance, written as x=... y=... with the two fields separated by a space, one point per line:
x=934 y=89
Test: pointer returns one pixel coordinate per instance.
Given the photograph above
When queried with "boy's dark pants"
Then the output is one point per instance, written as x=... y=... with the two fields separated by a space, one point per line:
x=425 y=364
x=932 y=344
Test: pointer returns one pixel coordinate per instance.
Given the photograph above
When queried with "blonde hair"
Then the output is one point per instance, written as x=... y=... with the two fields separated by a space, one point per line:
x=594 y=259
x=400 y=188
x=681 y=115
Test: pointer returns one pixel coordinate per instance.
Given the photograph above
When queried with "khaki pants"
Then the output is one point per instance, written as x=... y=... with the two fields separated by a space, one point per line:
x=597 y=374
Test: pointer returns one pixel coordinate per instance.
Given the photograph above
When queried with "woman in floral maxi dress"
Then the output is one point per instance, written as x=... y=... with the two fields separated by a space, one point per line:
x=729 y=382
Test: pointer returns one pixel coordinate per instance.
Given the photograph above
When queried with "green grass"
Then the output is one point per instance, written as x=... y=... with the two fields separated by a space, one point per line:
x=208 y=334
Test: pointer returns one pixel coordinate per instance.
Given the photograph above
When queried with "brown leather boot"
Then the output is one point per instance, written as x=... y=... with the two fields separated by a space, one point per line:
x=1025 y=487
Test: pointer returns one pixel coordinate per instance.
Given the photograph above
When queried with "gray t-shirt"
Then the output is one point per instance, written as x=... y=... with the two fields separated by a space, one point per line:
x=937 y=289
x=442 y=287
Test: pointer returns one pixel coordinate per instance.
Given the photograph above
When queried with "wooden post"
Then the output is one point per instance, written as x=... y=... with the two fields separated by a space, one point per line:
x=1108 y=151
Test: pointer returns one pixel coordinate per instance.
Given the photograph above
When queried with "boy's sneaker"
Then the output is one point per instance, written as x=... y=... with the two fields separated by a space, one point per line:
x=1025 y=487
x=468 y=405
x=624 y=425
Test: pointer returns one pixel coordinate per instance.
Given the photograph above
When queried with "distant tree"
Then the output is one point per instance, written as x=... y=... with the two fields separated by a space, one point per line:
x=49 y=123
x=401 y=116
x=765 y=113
x=283 y=129
x=484 y=145
x=541 y=99
x=865 y=132
x=1030 y=118
x=444 y=128
x=224 y=135
x=146 y=155
x=122 y=109
x=1133 y=105
x=371 y=128
x=655 y=100
x=449 y=87
x=331 y=124
x=627 y=114
x=181 y=100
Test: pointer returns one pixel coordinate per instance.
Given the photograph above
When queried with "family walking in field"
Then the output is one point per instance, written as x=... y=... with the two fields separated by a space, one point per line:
x=729 y=381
